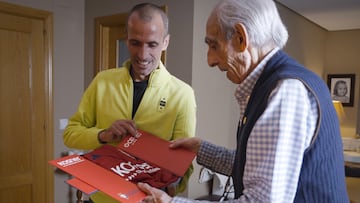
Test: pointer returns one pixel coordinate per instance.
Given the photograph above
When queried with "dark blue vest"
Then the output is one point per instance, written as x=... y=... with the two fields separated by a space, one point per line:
x=322 y=176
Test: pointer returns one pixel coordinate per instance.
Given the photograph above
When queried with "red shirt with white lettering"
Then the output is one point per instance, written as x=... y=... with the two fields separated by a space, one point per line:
x=129 y=167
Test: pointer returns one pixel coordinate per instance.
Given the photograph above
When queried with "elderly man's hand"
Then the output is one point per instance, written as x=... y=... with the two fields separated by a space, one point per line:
x=192 y=143
x=154 y=195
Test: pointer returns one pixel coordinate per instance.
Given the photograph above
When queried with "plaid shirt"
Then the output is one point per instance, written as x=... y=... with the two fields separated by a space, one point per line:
x=276 y=145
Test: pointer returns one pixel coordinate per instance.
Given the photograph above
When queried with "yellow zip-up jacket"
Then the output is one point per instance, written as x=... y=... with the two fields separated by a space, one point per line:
x=167 y=109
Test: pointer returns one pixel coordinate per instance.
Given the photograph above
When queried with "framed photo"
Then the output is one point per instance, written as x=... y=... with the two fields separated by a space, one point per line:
x=342 y=88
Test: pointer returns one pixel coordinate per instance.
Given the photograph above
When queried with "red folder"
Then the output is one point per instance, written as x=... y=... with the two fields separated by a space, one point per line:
x=82 y=186
x=155 y=150
x=90 y=177
x=100 y=178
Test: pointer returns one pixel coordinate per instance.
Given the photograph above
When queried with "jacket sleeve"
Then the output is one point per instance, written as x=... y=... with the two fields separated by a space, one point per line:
x=185 y=127
x=81 y=133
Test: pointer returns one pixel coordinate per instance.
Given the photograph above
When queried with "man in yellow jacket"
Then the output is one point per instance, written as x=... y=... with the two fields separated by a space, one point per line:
x=140 y=95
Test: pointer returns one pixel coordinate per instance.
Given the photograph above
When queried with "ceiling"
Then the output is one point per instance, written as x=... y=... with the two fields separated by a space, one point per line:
x=333 y=15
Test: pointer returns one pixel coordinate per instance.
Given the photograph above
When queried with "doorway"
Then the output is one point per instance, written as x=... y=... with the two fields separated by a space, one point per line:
x=26 y=118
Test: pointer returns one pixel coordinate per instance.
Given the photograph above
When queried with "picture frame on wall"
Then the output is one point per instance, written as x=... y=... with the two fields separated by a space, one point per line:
x=342 y=88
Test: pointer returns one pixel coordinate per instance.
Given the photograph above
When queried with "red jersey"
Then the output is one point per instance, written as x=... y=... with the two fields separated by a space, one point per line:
x=129 y=167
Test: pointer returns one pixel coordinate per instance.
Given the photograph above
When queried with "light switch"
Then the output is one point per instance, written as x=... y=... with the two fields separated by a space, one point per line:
x=63 y=123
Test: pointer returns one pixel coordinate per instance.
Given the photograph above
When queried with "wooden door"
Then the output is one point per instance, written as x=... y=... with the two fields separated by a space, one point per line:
x=26 y=132
x=110 y=32
x=110 y=41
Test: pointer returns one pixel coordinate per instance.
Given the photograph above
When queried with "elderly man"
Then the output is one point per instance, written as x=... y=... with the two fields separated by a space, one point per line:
x=289 y=147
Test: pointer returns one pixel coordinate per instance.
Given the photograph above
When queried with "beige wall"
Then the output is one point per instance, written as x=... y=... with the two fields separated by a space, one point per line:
x=217 y=109
x=342 y=57
x=325 y=52
x=307 y=41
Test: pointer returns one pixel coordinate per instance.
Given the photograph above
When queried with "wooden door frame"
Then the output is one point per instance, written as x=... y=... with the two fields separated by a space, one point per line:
x=102 y=25
x=47 y=18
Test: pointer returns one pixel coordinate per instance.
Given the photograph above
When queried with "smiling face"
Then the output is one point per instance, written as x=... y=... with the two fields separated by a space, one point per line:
x=145 y=41
x=231 y=55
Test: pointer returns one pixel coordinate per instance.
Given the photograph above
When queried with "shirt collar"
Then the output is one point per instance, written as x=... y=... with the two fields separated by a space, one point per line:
x=243 y=91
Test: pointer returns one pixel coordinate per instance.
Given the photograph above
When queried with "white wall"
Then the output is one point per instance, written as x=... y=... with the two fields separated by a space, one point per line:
x=68 y=75
x=218 y=112
x=68 y=68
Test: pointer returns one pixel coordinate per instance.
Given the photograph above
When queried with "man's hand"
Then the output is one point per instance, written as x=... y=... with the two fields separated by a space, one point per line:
x=154 y=195
x=192 y=143
x=117 y=131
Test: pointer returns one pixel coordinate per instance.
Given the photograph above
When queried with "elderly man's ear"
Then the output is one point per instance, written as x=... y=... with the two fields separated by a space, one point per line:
x=240 y=38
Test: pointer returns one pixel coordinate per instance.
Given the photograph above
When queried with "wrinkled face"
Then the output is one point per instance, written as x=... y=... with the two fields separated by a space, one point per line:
x=225 y=54
x=145 y=41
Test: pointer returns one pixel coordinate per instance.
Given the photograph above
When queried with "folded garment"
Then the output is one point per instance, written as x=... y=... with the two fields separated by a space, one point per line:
x=130 y=168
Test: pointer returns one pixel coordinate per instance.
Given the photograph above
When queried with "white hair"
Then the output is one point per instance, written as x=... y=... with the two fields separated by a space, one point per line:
x=260 y=18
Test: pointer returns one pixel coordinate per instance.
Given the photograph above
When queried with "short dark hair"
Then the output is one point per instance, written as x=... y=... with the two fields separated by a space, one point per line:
x=147 y=10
